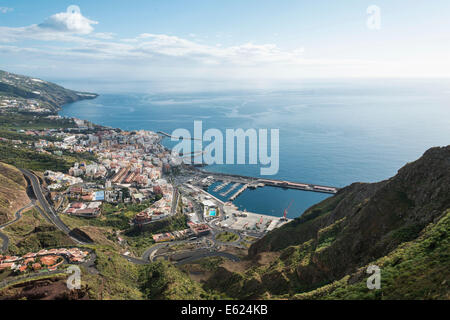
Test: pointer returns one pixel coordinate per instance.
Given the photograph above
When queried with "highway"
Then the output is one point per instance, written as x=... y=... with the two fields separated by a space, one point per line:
x=50 y=215
x=48 y=212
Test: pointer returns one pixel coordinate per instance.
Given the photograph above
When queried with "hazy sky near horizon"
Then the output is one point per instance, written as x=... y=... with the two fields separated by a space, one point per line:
x=236 y=41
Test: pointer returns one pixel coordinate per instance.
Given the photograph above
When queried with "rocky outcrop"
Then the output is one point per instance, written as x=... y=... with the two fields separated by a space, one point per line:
x=364 y=222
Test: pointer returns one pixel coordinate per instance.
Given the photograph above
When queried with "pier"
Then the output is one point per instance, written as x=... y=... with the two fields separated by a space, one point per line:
x=234 y=186
x=191 y=154
x=173 y=137
x=254 y=182
x=234 y=196
x=221 y=186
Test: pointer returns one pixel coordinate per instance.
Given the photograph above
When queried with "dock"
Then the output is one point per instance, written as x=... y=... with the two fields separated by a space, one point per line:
x=234 y=186
x=221 y=186
x=258 y=182
x=234 y=196
x=176 y=138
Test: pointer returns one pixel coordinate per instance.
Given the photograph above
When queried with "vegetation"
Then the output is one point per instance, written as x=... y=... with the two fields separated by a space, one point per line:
x=16 y=121
x=118 y=279
x=211 y=263
x=162 y=280
x=113 y=216
x=401 y=225
x=12 y=192
x=324 y=254
x=141 y=239
x=23 y=157
x=227 y=237
x=33 y=233
x=14 y=135
x=75 y=156
x=410 y=272
x=50 y=94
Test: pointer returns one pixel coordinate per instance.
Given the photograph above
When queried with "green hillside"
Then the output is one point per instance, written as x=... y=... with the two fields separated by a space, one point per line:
x=50 y=94
x=401 y=225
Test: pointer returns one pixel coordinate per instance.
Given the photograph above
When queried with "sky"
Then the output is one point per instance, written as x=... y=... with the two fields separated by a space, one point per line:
x=234 y=42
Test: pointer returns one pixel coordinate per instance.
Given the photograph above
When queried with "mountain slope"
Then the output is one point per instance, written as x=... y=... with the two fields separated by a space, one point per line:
x=418 y=269
x=13 y=194
x=50 y=94
x=358 y=226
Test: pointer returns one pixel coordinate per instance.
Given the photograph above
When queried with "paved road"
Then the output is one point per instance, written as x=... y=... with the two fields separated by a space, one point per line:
x=5 y=242
x=135 y=260
x=236 y=243
x=18 y=215
x=90 y=264
x=150 y=253
x=195 y=255
x=49 y=213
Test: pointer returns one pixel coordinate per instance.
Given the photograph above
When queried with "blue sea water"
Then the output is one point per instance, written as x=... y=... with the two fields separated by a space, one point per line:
x=331 y=132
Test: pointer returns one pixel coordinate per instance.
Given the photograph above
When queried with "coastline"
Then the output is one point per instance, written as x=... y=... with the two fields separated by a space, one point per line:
x=249 y=200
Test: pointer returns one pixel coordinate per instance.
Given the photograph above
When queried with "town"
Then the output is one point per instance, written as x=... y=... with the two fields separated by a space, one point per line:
x=133 y=168
x=44 y=259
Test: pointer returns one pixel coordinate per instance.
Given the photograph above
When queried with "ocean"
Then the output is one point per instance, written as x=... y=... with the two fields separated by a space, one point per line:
x=331 y=132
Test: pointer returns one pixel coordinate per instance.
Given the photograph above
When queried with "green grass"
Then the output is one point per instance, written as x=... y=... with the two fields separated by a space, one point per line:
x=162 y=280
x=415 y=270
x=23 y=157
x=117 y=217
x=326 y=236
x=118 y=279
x=141 y=239
x=211 y=263
x=113 y=216
x=18 y=121
x=32 y=233
x=227 y=237
x=250 y=239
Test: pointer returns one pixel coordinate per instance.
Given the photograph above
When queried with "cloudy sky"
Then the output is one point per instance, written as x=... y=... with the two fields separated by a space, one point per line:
x=233 y=41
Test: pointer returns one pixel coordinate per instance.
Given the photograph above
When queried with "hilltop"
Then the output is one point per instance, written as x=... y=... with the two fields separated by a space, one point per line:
x=401 y=224
x=47 y=95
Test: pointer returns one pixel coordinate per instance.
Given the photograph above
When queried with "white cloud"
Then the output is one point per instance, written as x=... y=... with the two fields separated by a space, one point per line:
x=68 y=40
x=104 y=35
x=72 y=27
x=70 y=21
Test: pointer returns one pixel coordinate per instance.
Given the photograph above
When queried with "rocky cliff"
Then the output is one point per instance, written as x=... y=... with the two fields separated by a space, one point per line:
x=361 y=224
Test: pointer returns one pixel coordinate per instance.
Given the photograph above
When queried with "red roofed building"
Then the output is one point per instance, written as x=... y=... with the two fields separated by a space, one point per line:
x=36 y=266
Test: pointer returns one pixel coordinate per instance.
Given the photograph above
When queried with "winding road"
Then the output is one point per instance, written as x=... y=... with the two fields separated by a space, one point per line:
x=48 y=212
x=50 y=215
x=18 y=215
x=150 y=254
